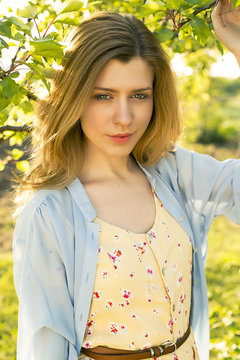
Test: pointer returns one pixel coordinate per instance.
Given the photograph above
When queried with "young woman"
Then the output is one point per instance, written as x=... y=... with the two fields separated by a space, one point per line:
x=109 y=249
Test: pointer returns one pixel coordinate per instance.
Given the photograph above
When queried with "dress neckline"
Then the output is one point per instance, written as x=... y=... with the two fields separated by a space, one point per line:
x=121 y=229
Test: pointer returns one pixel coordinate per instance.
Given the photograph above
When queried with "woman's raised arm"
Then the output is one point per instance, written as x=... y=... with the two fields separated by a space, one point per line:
x=226 y=22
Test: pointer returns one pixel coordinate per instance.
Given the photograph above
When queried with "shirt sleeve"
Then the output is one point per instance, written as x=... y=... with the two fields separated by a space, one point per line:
x=46 y=318
x=210 y=187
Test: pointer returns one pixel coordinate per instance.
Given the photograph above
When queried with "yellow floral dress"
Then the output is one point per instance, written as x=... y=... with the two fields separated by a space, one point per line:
x=142 y=289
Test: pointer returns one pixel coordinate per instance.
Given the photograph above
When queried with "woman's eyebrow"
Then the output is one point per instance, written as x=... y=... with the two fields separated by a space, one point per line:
x=114 y=91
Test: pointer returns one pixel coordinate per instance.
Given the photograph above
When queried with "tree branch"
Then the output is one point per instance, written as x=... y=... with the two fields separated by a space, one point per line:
x=31 y=96
x=205 y=7
x=24 y=128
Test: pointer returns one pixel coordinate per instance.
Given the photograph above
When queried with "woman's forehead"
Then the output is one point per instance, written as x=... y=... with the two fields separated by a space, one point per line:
x=136 y=73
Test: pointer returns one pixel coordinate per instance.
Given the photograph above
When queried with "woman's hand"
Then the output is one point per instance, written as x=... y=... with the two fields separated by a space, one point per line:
x=226 y=22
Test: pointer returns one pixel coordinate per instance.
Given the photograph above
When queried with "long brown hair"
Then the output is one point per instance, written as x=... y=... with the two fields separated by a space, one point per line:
x=57 y=138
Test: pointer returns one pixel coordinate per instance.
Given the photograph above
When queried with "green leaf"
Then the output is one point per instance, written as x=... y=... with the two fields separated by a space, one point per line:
x=23 y=165
x=9 y=87
x=164 y=34
x=219 y=46
x=4 y=102
x=3 y=44
x=17 y=154
x=47 y=48
x=200 y=29
x=72 y=6
x=173 y=4
x=15 y=74
x=26 y=106
x=67 y=21
x=195 y=2
x=152 y=7
x=5 y=29
x=20 y=25
x=30 y=11
x=3 y=116
x=18 y=96
x=19 y=37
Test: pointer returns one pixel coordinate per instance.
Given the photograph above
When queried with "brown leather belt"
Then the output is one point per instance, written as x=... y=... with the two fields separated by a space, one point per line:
x=105 y=353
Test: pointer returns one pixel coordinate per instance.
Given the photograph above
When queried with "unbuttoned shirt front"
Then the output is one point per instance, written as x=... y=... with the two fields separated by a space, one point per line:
x=55 y=250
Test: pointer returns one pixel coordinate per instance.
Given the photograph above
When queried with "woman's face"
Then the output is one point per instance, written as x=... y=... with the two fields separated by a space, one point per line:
x=120 y=108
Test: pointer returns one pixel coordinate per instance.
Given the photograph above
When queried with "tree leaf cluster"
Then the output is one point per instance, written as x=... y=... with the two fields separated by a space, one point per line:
x=32 y=40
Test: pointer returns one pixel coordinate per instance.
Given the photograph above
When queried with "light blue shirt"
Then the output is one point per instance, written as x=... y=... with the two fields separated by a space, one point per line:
x=55 y=250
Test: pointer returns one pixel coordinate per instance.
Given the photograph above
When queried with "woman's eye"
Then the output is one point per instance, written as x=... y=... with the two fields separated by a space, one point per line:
x=102 y=97
x=140 y=96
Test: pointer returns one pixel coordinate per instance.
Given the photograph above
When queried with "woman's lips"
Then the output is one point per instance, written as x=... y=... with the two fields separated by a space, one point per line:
x=120 y=139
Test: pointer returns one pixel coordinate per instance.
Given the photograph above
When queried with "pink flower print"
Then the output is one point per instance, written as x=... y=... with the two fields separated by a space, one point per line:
x=175 y=357
x=152 y=236
x=122 y=304
x=123 y=327
x=116 y=237
x=132 y=275
x=104 y=274
x=114 y=328
x=149 y=300
x=146 y=334
x=182 y=298
x=170 y=325
x=88 y=344
x=126 y=294
x=97 y=294
x=100 y=249
x=89 y=331
x=113 y=258
x=134 y=316
x=165 y=261
x=179 y=281
x=140 y=249
x=174 y=267
x=156 y=312
x=168 y=237
x=109 y=304
x=117 y=252
x=93 y=315
x=149 y=271
x=132 y=344
x=90 y=323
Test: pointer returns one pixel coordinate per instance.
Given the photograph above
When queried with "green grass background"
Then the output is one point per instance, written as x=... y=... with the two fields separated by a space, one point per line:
x=222 y=270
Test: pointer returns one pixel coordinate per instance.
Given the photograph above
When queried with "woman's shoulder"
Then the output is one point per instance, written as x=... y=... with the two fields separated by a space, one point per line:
x=46 y=202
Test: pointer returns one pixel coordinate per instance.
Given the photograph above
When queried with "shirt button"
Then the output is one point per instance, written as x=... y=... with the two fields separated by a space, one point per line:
x=196 y=250
x=181 y=219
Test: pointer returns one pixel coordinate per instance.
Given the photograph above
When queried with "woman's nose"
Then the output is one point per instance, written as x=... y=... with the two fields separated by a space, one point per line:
x=123 y=112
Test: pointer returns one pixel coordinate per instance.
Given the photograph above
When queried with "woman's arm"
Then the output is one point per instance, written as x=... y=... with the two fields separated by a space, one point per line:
x=46 y=316
x=226 y=22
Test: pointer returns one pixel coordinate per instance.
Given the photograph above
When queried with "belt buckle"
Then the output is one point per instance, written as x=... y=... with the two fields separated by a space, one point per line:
x=167 y=344
x=162 y=347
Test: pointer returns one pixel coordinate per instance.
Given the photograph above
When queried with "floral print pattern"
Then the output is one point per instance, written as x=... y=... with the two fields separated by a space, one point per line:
x=142 y=289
